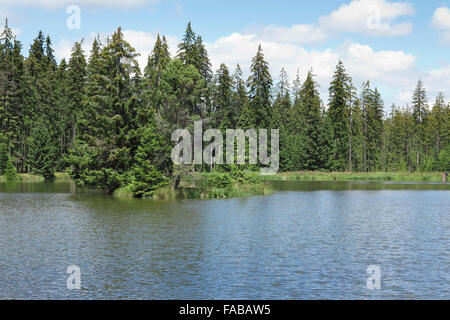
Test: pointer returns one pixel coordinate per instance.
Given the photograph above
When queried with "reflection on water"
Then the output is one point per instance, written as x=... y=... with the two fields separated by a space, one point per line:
x=309 y=240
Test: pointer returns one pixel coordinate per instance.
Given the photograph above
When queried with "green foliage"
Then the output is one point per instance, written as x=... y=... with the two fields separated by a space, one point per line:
x=4 y=158
x=338 y=113
x=111 y=126
x=259 y=113
x=191 y=51
x=444 y=160
x=147 y=176
x=7 y=168
x=221 y=181
x=42 y=151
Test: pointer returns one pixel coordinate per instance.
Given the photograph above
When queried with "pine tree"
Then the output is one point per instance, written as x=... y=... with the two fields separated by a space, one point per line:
x=7 y=168
x=187 y=49
x=239 y=98
x=62 y=111
x=76 y=80
x=192 y=51
x=338 y=113
x=4 y=158
x=202 y=62
x=282 y=105
x=42 y=150
x=260 y=83
x=108 y=121
x=157 y=62
x=372 y=107
x=420 y=112
x=11 y=83
x=223 y=108
x=437 y=123
x=311 y=120
x=182 y=89
x=149 y=163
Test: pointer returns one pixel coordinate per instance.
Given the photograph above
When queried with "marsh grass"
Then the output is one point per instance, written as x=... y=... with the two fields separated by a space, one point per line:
x=347 y=176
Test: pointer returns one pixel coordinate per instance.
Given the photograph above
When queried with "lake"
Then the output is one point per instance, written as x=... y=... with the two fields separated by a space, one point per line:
x=309 y=240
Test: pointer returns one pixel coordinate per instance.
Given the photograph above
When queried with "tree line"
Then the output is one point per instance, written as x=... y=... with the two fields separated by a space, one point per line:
x=109 y=123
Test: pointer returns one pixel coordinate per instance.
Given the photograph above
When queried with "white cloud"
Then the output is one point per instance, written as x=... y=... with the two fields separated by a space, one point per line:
x=299 y=33
x=441 y=21
x=367 y=17
x=54 y=4
x=441 y=18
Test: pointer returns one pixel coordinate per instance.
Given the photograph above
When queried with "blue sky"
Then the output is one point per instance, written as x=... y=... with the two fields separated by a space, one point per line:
x=391 y=43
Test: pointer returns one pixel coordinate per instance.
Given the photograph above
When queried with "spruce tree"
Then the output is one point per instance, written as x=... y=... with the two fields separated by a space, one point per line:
x=149 y=163
x=223 y=108
x=420 y=112
x=187 y=49
x=239 y=98
x=4 y=158
x=42 y=150
x=76 y=80
x=311 y=120
x=12 y=91
x=157 y=62
x=282 y=106
x=108 y=123
x=260 y=84
x=338 y=112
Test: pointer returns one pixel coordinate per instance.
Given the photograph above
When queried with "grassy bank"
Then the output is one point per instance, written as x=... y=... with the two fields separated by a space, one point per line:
x=350 y=176
x=29 y=177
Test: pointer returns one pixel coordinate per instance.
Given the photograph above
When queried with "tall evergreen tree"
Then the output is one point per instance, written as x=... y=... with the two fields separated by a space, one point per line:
x=157 y=62
x=312 y=122
x=338 y=112
x=42 y=150
x=11 y=90
x=224 y=112
x=239 y=96
x=76 y=81
x=420 y=112
x=108 y=126
x=260 y=84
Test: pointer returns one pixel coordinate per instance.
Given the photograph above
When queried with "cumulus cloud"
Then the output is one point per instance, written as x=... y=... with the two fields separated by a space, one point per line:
x=54 y=4
x=367 y=17
x=441 y=21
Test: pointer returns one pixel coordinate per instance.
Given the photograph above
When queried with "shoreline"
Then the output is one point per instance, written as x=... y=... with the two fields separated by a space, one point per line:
x=217 y=185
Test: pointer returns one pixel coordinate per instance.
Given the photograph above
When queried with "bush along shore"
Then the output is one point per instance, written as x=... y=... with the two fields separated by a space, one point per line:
x=204 y=186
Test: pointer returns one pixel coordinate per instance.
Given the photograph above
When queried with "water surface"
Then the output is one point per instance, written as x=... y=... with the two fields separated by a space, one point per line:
x=310 y=240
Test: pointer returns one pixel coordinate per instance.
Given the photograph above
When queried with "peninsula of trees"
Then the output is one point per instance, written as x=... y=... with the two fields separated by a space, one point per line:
x=109 y=123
